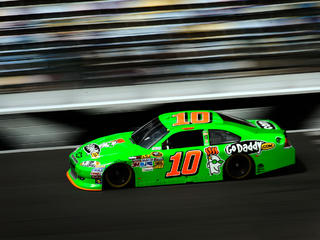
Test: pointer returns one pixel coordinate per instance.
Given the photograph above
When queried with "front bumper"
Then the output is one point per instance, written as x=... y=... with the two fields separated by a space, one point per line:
x=87 y=184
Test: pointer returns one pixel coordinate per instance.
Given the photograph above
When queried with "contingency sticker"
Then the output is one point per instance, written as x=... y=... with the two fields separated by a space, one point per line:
x=90 y=164
x=97 y=172
x=214 y=162
x=148 y=162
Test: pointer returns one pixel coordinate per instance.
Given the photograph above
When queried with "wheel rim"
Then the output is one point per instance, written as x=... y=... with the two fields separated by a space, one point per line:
x=239 y=167
x=118 y=176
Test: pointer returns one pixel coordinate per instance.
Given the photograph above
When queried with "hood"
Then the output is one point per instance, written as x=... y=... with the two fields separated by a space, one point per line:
x=105 y=149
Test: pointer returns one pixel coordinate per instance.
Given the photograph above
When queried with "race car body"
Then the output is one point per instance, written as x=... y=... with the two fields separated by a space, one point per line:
x=181 y=147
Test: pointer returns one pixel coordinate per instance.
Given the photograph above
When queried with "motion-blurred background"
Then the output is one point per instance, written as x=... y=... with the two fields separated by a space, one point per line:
x=71 y=70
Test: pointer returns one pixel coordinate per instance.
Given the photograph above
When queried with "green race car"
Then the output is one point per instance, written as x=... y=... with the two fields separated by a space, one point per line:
x=181 y=147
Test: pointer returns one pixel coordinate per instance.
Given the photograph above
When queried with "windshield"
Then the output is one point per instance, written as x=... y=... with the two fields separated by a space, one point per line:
x=149 y=134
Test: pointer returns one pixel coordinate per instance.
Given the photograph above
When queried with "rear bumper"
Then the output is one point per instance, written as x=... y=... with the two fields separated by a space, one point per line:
x=84 y=184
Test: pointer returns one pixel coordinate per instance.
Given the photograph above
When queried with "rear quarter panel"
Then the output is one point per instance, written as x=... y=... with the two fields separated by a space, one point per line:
x=274 y=158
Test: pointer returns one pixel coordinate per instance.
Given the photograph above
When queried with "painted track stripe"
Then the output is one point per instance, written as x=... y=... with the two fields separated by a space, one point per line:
x=303 y=130
x=38 y=149
x=75 y=146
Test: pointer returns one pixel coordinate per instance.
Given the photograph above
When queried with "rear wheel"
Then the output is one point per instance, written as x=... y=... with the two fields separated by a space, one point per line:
x=118 y=175
x=238 y=166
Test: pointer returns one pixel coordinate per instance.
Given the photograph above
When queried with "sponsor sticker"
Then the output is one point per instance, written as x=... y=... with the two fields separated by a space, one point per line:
x=96 y=172
x=136 y=163
x=91 y=164
x=267 y=146
x=249 y=147
x=214 y=162
x=92 y=149
x=266 y=125
x=98 y=181
x=112 y=143
x=147 y=169
x=148 y=160
x=158 y=164
x=156 y=154
x=149 y=163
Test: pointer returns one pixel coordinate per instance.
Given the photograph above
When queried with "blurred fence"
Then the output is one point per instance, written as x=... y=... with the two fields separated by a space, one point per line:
x=76 y=44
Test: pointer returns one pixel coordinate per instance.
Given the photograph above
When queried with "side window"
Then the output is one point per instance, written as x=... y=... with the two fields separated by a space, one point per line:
x=220 y=137
x=184 y=139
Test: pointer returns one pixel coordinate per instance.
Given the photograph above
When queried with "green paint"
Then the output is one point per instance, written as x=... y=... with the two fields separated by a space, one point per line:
x=124 y=150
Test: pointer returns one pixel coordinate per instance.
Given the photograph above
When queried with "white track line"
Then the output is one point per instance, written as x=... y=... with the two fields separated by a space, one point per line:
x=75 y=146
x=38 y=149
x=303 y=130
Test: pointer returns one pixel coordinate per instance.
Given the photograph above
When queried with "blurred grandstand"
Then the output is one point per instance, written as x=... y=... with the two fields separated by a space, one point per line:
x=66 y=44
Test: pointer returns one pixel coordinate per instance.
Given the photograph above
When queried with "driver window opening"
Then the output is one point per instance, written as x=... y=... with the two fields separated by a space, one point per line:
x=184 y=139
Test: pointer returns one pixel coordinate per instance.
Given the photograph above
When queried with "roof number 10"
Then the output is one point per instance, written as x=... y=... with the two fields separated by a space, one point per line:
x=195 y=118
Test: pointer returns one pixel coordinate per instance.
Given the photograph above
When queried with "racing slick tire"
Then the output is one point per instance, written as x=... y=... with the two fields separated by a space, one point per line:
x=118 y=176
x=238 y=166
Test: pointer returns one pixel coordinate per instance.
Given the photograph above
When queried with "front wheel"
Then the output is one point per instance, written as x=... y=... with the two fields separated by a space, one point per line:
x=238 y=166
x=118 y=175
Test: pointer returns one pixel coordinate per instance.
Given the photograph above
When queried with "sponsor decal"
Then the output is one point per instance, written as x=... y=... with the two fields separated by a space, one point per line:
x=91 y=164
x=214 y=162
x=266 y=125
x=135 y=163
x=98 y=181
x=156 y=154
x=156 y=148
x=158 y=164
x=96 y=172
x=206 y=137
x=92 y=149
x=147 y=169
x=112 y=143
x=143 y=164
x=267 y=146
x=79 y=155
x=249 y=147
x=145 y=161
x=147 y=157
x=140 y=157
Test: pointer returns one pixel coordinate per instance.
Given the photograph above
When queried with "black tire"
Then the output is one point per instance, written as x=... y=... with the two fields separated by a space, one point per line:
x=118 y=175
x=238 y=166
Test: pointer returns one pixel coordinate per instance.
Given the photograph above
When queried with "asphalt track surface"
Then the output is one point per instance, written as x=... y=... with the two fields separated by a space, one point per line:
x=38 y=202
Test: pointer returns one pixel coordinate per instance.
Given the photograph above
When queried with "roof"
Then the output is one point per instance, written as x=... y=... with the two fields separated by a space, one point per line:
x=188 y=119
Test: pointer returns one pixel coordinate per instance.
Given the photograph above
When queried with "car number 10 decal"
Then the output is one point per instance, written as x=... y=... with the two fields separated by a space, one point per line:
x=190 y=165
x=195 y=118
